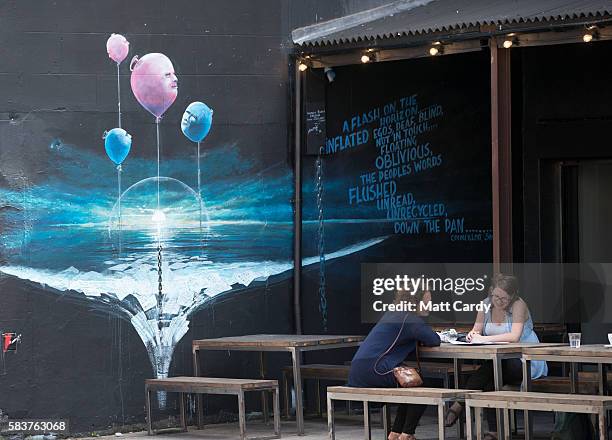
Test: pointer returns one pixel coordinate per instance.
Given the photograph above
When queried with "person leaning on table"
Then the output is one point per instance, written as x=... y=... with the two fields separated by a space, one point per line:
x=392 y=340
x=508 y=320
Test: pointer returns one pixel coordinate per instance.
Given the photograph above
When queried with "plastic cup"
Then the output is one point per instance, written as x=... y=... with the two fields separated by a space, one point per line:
x=574 y=340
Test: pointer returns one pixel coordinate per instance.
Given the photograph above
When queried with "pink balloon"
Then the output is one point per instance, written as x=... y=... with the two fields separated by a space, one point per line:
x=154 y=82
x=117 y=47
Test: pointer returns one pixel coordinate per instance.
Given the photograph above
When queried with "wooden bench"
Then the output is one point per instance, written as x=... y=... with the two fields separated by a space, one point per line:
x=532 y=401
x=419 y=395
x=213 y=385
x=319 y=372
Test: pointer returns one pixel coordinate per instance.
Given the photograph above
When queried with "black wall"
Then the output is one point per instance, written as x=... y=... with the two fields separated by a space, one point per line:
x=57 y=84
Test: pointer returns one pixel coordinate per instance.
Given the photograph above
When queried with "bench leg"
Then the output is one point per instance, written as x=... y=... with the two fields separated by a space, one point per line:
x=148 y=410
x=330 y=419
x=478 y=417
x=367 y=428
x=241 y=415
x=277 y=425
x=386 y=419
x=182 y=410
x=468 y=422
x=507 y=435
x=603 y=425
x=441 y=427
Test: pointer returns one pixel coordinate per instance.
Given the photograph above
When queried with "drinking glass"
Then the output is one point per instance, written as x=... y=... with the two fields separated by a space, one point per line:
x=574 y=339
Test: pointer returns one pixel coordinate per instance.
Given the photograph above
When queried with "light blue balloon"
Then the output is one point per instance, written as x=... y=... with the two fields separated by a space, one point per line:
x=117 y=143
x=196 y=121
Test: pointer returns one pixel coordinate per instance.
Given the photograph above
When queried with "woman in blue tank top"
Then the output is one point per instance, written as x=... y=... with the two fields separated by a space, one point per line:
x=507 y=320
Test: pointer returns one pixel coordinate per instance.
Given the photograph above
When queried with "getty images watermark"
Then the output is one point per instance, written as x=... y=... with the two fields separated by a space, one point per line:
x=412 y=285
x=553 y=292
x=457 y=290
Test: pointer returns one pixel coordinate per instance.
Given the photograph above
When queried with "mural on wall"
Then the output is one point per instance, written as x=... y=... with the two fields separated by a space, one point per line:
x=405 y=157
x=152 y=237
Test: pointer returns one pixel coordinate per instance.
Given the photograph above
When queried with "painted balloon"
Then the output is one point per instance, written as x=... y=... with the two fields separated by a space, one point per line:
x=196 y=121
x=117 y=143
x=154 y=82
x=117 y=47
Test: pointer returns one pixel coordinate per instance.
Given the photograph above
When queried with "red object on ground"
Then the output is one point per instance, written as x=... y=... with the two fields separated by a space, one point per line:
x=6 y=341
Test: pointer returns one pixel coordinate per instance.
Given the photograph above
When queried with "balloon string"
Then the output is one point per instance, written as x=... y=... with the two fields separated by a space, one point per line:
x=119 y=204
x=200 y=195
x=158 y=175
x=118 y=95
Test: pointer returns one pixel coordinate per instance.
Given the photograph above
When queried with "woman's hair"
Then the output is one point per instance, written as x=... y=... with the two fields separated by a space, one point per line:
x=406 y=295
x=507 y=283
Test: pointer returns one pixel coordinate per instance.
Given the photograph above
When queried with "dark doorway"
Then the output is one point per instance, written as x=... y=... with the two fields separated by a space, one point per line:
x=584 y=219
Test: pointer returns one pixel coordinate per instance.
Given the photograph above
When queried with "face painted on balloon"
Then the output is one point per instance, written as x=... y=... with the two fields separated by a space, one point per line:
x=196 y=121
x=154 y=82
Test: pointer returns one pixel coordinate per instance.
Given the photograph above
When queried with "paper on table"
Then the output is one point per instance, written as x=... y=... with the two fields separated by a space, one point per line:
x=477 y=343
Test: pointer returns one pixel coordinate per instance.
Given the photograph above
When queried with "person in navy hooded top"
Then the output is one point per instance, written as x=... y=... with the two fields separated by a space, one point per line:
x=372 y=367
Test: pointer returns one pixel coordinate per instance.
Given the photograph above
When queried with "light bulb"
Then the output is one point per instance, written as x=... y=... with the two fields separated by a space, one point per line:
x=508 y=44
x=302 y=67
x=588 y=37
x=433 y=51
x=365 y=59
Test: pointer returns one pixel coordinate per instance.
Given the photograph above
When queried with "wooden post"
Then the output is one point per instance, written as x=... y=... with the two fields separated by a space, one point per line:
x=501 y=157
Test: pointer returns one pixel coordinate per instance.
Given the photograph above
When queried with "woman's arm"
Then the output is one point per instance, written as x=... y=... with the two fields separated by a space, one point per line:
x=477 y=329
x=425 y=335
x=519 y=316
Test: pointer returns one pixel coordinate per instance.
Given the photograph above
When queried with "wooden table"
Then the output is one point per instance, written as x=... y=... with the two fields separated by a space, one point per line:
x=586 y=354
x=493 y=352
x=294 y=344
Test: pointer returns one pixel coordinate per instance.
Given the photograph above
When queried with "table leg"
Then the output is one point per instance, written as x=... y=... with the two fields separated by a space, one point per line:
x=330 y=419
x=182 y=410
x=318 y=397
x=296 y=355
x=499 y=383
x=199 y=401
x=573 y=378
x=286 y=394
x=468 y=422
x=367 y=429
x=264 y=394
x=242 y=415
x=277 y=425
x=602 y=371
x=441 y=427
x=527 y=387
x=457 y=370
x=148 y=410
x=478 y=417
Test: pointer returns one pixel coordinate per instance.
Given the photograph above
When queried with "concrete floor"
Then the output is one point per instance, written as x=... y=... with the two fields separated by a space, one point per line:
x=348 y=428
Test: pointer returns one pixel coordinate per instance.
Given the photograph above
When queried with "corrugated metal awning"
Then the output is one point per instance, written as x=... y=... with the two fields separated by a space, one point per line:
x=417 y=17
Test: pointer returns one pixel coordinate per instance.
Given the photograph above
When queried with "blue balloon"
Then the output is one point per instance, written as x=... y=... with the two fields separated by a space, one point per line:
x=196 y=121
x=117 y=143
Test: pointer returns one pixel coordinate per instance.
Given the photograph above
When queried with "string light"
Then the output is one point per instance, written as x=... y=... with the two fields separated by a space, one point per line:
x=436 y=49
x=365 y=59
x=510 y=41
x=590 y=35
x=303 y=67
